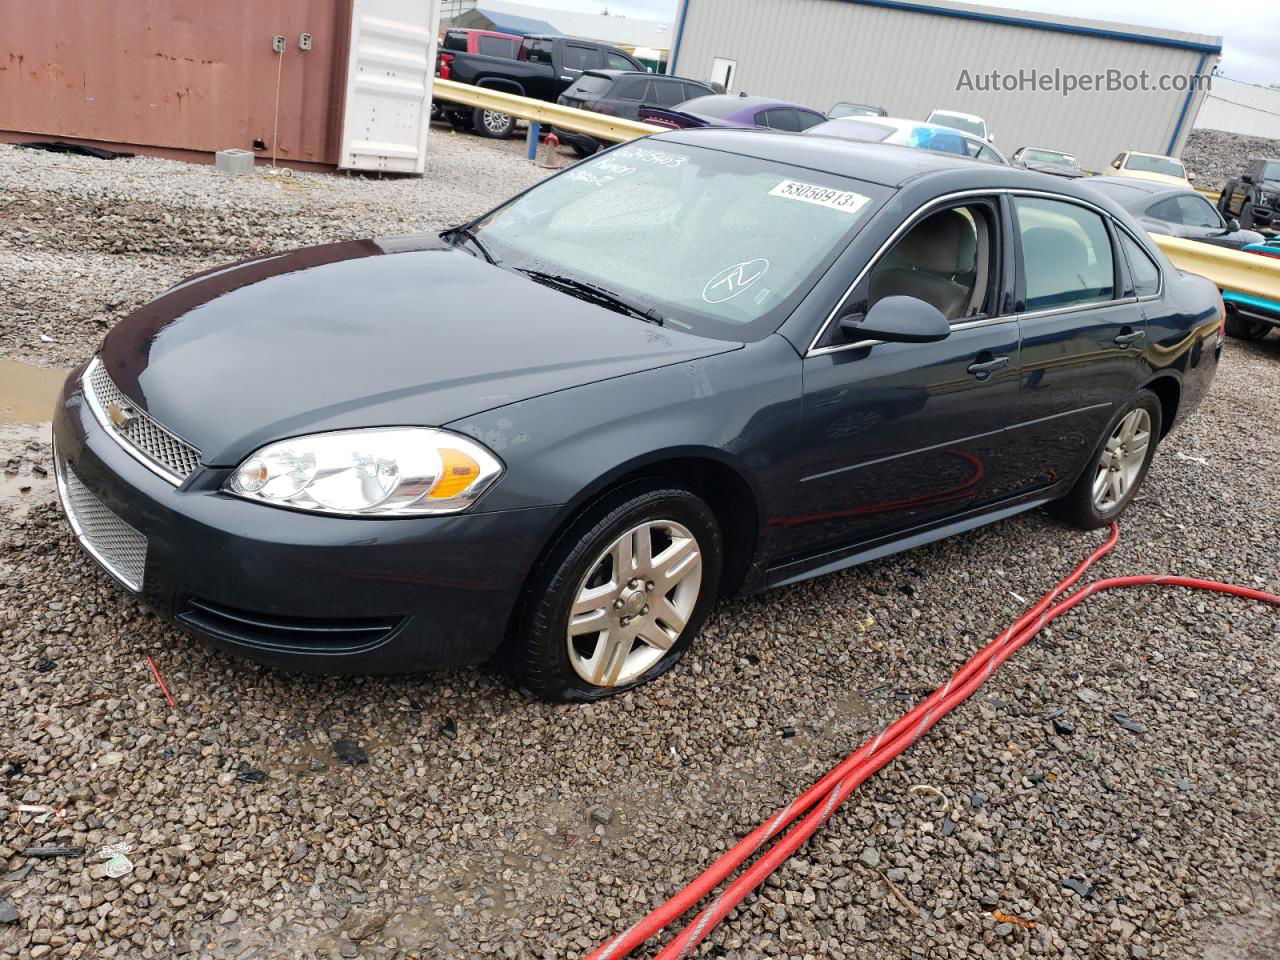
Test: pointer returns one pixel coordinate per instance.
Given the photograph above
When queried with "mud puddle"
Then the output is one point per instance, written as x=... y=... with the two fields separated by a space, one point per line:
x=27 y=392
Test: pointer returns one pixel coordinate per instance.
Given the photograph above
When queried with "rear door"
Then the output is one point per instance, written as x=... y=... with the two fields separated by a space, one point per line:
x=575 y=58
x=1083 y=337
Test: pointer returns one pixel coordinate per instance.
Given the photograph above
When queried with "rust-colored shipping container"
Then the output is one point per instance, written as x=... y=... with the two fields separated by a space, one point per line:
x=186 y=78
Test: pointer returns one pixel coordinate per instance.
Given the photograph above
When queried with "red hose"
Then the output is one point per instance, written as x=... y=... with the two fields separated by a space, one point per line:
x=835 y=787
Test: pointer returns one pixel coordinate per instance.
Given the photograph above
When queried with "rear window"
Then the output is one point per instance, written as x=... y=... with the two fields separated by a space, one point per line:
x=667 y=93
x=957 y=122
x=712 y=106
x=456 y=40
x=497 y=46
x=590 y=86
x=853 y=130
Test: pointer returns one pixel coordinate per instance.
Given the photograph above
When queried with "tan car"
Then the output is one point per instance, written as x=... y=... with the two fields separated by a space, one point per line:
x=1151 y=166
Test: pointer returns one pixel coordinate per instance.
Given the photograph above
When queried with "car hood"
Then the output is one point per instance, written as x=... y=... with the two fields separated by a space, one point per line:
x=365 y=333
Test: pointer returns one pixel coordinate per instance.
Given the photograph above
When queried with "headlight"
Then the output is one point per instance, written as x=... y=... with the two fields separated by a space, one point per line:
x=393 y=471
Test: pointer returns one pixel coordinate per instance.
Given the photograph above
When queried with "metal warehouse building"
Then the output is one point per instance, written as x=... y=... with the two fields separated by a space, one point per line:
x=912 y=57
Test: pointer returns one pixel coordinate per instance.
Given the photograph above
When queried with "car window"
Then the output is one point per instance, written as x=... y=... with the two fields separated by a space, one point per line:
x=780 y=118
x=535 y=51
x=1163 y=165
x=1198 y=212
x=1145 y=273
x=496 y=46
x=590 y=86
x=616 y=61
x=455 y=40
x=692 y=90
x=580 y=58
x=987 y=155
x=719 y=244
x=667 y=93
x=1066 y=254
x=631 y=88
x=808 y=120
x=714 y=105
x=945 y=260
x=1271 y=170
x=940 y=142
x=942 y=118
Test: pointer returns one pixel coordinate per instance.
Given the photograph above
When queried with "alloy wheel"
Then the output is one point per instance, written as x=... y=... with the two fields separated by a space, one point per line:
x=1121 y=460
x=496 y=123
x=634 y=602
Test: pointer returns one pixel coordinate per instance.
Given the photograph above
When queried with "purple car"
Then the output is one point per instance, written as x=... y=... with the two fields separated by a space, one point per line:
x=726 y=110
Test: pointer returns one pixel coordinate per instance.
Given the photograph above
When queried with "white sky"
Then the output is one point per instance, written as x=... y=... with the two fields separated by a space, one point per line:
x=1250 y=28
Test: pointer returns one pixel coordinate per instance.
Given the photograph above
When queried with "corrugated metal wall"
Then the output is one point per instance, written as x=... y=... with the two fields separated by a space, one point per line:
x=185 y=75
x=1241 y=108
x=818 y=52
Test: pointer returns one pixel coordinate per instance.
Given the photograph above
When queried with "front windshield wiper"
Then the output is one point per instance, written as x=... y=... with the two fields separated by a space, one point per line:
x=465 y=232
x=596 y=293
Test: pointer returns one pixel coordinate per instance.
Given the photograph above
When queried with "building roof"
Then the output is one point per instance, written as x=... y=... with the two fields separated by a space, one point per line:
x=619 y=31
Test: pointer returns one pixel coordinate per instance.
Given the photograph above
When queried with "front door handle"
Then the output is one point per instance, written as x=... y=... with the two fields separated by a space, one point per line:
x=1133 y=336
x=984 y=368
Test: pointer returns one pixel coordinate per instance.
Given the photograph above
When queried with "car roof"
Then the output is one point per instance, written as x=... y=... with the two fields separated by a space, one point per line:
x=901 y=125
x=1158 y=156
x=1061 y=153
x=886 y=164
x=1141 y=193
x=753 y=103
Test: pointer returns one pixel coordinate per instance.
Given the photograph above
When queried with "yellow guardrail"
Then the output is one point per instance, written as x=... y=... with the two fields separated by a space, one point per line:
x=598 y=125
x=1211 y=195
x=1246 y=273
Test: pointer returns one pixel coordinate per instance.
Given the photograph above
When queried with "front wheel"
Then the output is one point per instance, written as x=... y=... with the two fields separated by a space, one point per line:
x=499 y=126
x=1246 y=216
x=1117 y=468
x=620 y=598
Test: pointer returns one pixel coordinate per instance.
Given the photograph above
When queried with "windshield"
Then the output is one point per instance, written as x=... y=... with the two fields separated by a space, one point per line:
x=849 y=128
x=1271 y=170
x=1163 y=165
x=957 y=122
x=715 y=243
x=1049 y=157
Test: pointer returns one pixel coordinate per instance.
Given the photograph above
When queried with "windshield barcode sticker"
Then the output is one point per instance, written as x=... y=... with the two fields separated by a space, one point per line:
x=842 y=200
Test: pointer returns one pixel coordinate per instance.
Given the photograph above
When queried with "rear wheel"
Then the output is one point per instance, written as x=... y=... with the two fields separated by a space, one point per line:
x=620 y=598
x=1117 y=468
x=489 y=123
x=1246 y=216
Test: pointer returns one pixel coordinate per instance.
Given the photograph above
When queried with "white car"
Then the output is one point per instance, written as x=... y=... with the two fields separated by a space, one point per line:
x=964 y=122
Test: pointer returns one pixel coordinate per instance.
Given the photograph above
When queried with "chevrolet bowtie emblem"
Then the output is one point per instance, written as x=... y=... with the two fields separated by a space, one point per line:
x=121 y=416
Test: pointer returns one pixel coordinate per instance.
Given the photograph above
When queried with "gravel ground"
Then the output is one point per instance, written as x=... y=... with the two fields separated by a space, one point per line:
x=481 y=823
x=1216 y=156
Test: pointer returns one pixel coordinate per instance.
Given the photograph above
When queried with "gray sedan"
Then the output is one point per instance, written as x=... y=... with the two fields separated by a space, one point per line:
x=1173 y=211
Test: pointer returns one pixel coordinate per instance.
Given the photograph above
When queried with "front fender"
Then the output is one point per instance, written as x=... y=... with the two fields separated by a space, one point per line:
x=740 y=408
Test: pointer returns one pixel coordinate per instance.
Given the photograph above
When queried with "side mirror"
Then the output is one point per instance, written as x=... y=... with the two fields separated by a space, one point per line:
x=991 y=138
x=1115 y=164
x=1190 y=177
x=1246 y=178
x=897 y=320
x=1233 y=224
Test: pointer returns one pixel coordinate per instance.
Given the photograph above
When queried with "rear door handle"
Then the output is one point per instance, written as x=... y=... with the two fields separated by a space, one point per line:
x=1132 y=336
x=984 y=368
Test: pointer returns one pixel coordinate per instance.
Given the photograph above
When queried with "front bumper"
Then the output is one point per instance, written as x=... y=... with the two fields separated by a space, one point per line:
x=297 y=590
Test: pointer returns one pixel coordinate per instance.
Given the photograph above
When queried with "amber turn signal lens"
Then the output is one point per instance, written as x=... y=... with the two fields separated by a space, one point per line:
x=459 y=472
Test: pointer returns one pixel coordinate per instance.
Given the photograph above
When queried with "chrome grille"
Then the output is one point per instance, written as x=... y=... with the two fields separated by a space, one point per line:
x=111 y=541
x=138 y=432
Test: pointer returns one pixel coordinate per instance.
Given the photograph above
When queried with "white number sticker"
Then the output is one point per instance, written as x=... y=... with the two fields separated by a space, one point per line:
x=842 y=200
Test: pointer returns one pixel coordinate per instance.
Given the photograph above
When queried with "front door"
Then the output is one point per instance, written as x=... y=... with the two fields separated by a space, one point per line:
x=899 y=436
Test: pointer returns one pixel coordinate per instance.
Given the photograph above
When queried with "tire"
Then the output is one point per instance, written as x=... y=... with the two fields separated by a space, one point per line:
x=1244 y=328
x=547 y=661
x=1083 y=507
x=1246 y=215
x=1224 y=199
x=487 y=123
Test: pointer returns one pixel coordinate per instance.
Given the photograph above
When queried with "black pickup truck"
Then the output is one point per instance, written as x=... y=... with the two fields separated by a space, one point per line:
x=543 y=68
x=1254 y=197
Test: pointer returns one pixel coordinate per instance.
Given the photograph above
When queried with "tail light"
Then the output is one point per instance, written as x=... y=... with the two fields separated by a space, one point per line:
x=442 y=65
